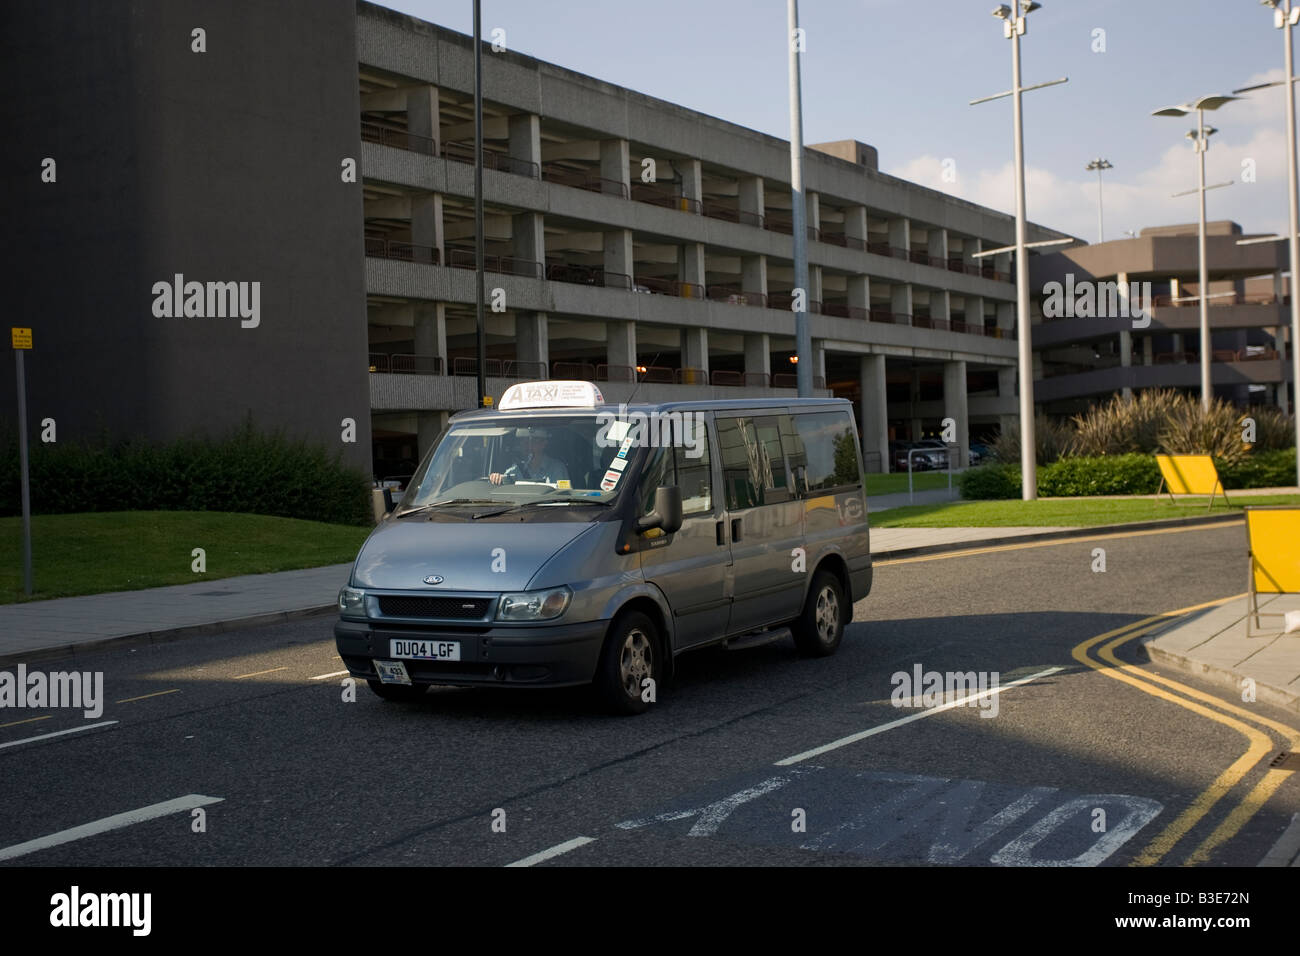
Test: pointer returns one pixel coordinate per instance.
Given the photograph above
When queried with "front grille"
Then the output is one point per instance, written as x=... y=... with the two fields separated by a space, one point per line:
x=446 y=608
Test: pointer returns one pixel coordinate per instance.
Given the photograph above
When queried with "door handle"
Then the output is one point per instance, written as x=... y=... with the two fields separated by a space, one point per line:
x=735 y=529
x=720 y=532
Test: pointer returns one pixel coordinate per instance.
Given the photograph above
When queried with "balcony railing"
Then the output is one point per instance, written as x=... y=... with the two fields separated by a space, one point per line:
x=659 y=197
x=1216 y=299
x=459 y=258
x=791 y=380
x=841 y=311
x=839 y=239
x=733 y=296
x=715 y=209
x=784 y=300
x=587 y=275
x=592 y=182
x=397 y=249
x=397 y=138
x=502 y=162
x=406 y=363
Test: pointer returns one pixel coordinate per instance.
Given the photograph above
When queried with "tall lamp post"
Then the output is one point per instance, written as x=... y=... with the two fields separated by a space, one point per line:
x=1285 y=16
x=1200 y=138
x=1099 y=165
x=798 y=210
x=1013 y=28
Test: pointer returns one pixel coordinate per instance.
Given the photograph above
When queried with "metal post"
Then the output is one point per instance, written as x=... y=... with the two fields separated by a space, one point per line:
x=480 y=340
x=1294 y=216
x=1207 y=388
x=802 y=336
x=1028 y=460
x=22 y=465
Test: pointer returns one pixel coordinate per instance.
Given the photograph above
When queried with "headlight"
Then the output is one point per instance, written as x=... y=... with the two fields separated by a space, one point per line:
x=352 y=602
x=533 y=605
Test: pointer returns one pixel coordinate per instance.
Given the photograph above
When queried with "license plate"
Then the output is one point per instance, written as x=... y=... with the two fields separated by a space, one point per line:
x=392 y=672
x=422 y=650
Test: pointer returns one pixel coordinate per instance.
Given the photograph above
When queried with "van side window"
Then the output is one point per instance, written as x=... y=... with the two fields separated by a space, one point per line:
x=753 y=463
x=691 y=474
x=832 y=456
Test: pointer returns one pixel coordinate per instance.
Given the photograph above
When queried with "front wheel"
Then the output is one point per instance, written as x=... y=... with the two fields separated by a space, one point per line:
x=628 y=661
x=819 y=629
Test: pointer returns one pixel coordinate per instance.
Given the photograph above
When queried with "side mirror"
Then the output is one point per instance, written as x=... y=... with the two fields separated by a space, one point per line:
x=389 y=503
x=667 y=513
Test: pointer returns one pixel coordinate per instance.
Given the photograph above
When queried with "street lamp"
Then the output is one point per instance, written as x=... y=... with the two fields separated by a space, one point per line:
x=1285 y=16
x=1200 y=138
x=1013 y=28
x=1099 y=165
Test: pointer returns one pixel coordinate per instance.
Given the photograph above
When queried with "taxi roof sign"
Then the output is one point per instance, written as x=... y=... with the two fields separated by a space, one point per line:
x=552 y=394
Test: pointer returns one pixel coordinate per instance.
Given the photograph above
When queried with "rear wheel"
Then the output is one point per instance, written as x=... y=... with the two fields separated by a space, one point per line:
x=397 y=691
x=629 y=658
x=819 y=629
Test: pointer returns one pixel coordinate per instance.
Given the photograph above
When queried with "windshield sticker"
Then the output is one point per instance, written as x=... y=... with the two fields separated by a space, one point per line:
x=618 y=464
x=610 y=480
x=618 y=431
x=564 y=484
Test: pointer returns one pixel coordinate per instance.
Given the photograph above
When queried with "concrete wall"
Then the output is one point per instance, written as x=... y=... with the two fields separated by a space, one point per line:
x=223 y=166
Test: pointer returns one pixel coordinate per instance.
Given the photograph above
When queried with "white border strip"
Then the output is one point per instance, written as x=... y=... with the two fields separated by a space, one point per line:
x=929 y=712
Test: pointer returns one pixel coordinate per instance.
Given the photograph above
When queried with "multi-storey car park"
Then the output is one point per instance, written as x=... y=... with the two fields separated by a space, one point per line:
x=1082 y=358
x=679 y=288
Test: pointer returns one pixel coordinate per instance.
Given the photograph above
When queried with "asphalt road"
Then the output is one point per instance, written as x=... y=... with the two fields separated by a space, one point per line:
x=1072 y=766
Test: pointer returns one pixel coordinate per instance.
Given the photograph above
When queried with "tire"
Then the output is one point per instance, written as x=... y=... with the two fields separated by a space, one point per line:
x=398 y=692
x=820 y=628
x=630 y=654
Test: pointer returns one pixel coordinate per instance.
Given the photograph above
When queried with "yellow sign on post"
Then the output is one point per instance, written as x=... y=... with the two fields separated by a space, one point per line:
x=22 y=338
x=1189 y=475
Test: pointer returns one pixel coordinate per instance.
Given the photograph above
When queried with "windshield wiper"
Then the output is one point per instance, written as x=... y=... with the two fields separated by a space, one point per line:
x=449 y=501
x=543 y=501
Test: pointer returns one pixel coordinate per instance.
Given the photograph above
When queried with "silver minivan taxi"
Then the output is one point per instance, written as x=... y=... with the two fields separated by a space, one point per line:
x=557 y=540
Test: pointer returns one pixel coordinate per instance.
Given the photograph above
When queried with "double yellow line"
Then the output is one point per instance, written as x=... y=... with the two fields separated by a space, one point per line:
x=1260 y=746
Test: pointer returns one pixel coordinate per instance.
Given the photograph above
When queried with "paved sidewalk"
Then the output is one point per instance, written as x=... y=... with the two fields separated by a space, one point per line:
x=885 y=540
x=1214 y=645
x=64 y=625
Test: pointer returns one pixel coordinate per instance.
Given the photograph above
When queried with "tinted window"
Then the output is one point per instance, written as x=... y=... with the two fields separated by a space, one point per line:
x=691 y=474
x=753 y=461
x=826 y=444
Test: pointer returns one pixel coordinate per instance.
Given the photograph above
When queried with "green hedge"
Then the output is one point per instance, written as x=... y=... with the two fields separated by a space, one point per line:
x=990 y=481
x=1133 y=474
x=245 y=471
x=1106 y=475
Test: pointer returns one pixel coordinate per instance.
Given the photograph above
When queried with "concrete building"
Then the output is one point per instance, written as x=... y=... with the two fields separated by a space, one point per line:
x=1089 y=346
x=629 y=240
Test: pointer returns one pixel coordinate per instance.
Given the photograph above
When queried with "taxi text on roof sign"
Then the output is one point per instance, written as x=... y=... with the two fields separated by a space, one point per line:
x=22 y=338
x=556 y=394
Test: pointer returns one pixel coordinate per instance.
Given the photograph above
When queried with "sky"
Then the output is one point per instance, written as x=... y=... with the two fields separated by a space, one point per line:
x=899 y=75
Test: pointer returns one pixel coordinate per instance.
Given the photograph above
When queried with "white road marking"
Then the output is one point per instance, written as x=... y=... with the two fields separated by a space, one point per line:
x=554 y=851
x=863 y=735
x=326 y=676
x=57 y=733
x=116 y=822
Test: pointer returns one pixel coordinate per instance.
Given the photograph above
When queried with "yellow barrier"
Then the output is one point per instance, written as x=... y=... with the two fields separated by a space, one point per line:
x=1273 y=537
x=1190 y=475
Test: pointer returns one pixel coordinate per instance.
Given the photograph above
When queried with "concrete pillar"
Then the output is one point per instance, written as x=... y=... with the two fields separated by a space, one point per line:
x=1126 y=358
x=818 y=360
x=526 y=138
x=813 y=205
x=1006 y=315
x=430 y=322
x=940 y=304
x=1177 y=346
x=1006 y=381
x=695 y=350
x=615 y=164
x=422 y=117
x=530 y=338
x=1148 y=350
x=691 y=267
x=529 y=236
x=620 y=346
x=859 y=290
x=955 y=407
x=692 y=178
x=936 y=245
x=914 y=398
x=900 y=234
x=426 y=224
x=814 y=285
x=751 y=195
x=1279 y=343
x=900 y=299
x=1001 y=262
x=753 y=274
x=855 y=223
x=968 y=249
x=975 y=310
x=874 y=413
x=619 y=254
x=758 y=354
x=428 y=426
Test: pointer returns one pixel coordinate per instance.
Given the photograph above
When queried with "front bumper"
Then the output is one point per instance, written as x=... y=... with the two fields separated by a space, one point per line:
x=556 y=655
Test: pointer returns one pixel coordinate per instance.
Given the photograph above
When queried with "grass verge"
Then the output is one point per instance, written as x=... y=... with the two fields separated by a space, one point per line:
x=1058 y=512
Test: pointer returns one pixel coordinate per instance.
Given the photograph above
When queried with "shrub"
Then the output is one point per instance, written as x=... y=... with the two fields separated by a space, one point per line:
x=997 y=480
x=245 y=471
x=1100 y=475
x=1261 y=469
x=1051 y=441
x=1121 y=426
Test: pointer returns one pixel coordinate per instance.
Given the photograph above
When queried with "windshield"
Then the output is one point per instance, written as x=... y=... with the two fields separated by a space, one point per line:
x=579 y=459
